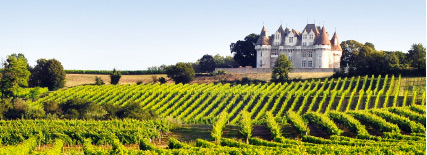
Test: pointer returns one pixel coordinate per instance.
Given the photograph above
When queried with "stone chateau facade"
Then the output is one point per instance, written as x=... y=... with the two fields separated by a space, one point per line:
x=309 y=49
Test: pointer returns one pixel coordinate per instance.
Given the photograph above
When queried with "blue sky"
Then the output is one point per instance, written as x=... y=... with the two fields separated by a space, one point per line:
x=134 y=35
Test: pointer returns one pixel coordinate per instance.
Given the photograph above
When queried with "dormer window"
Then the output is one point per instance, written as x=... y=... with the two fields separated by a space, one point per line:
x=311 y=36
x=304 y=36
x=291 y=39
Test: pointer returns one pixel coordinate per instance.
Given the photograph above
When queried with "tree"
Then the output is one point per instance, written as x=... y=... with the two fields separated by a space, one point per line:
x=15 y=74
x=207 y=64
x=281 y=69
x=225 y=62
x=48 y=73
x=417 y=57
x=392 y=60
x=115 y=76
x=244 y=50
x=350 y=49
x=181 y=72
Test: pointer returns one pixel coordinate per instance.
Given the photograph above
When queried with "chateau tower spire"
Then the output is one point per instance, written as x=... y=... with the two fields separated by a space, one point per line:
x=335 y=44
x=323 y=38
x=263 y=37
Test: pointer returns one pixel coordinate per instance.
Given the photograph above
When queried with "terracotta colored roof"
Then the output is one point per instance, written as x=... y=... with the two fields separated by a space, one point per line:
x=336 y=47
x=263 y=38
x=323 y=38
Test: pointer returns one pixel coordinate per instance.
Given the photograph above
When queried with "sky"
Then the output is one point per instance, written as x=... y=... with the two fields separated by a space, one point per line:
x=135 y=35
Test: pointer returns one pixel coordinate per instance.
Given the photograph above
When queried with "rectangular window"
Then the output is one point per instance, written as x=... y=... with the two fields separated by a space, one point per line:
x=305 y=36
x=303 y=64
x=290 y=58
x=304 y=54
x=310 y=54
x=310 y=63
x=311 y=36
x=291 y=39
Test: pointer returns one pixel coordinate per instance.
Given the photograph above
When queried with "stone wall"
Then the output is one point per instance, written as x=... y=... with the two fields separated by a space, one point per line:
x=269 y=70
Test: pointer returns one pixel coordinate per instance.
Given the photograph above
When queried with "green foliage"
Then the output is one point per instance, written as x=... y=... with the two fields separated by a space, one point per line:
x=115 y=76
x=135 y=111
x=99 y=81
x=281 y=69
x=205 y=144
x=405 y=98
x=175 y=144
x=246 y=125
x=181 y=72
x=207 y=64
x=81 y=109
x=73 y=132
x=244 y=52
x=219 y=126
x=417 y=57
x=324 y=122
x=296 y=120
x=48 y=73
x=162 y=80
x=351 y=123
x=15 y=74
x=419 y=118
x=22 y=149
x=274 y=127
x=375 y=121
x=403 y=122
x=225 y=62
x=89 y=149
x=56 y=149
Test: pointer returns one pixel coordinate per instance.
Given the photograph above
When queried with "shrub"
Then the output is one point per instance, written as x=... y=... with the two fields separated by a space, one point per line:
x=17 y=110
x=162 y=80
x=139 y=82
x=81 y=109
x=134 y=110
x=220 y=72
x=181 y=72
x=99 y=81
x=115 y=76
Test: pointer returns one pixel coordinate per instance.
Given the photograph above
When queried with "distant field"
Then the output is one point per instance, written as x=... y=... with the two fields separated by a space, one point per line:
x=79 y=79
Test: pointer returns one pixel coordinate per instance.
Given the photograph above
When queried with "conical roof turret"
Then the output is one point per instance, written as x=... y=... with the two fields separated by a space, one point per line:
x=263 y=37
x=323 y=38
x=281 y=30
x=335 y=44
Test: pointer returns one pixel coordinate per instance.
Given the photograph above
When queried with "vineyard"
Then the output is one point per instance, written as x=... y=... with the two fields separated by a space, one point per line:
x=200 y=103
x=402 y=131
x=354 y=115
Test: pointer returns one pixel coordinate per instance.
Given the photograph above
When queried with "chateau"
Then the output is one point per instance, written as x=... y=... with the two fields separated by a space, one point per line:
x=309 y=49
